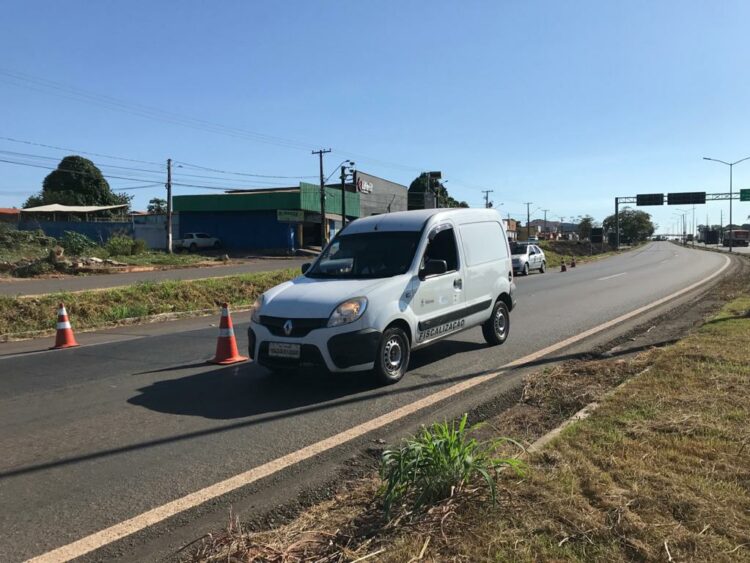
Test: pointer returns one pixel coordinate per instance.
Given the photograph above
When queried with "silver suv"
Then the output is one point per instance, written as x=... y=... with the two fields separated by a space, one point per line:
x=527 y=257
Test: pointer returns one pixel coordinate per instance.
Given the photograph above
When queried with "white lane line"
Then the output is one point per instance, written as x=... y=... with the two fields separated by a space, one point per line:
x=613 y=276
x=161 y=513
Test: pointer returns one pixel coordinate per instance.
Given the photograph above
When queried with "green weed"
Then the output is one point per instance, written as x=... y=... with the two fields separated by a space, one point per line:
x=435 y=464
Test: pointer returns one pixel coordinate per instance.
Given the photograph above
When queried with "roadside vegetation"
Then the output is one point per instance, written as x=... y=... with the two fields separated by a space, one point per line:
x=21 y=316
x=557 y=250
x=32 y=253
x=657 y=470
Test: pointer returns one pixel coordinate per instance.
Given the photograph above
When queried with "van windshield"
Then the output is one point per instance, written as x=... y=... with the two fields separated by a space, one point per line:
x=367 y=255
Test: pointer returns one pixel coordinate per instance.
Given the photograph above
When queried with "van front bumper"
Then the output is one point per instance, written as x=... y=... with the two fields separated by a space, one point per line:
x=338 y=349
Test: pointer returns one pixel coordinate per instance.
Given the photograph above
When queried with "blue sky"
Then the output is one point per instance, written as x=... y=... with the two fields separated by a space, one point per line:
x=563 y=104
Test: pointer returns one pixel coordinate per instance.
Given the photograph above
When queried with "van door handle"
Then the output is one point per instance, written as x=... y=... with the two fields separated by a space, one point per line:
x=458 y=283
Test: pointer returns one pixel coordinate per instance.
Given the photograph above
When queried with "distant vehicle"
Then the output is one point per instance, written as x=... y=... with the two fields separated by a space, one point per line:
x=739 y=237
x=527 y=257
x=196 y=241
x=384 y=286
x=532 y=239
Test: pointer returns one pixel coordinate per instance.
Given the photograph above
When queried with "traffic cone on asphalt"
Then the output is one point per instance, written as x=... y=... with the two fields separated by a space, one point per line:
x=563 y=267
x=573 y=262
x=226 y=346
x=64 y=337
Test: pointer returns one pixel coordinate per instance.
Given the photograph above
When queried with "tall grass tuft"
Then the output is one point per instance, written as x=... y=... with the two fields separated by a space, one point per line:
x=438 y=462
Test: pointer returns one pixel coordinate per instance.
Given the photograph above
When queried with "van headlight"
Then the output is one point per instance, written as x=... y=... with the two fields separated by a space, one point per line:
x=255 y=309
x=348 y=312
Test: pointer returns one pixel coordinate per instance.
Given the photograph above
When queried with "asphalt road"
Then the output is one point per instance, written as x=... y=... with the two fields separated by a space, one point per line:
x=98 y=434
x=19 y=287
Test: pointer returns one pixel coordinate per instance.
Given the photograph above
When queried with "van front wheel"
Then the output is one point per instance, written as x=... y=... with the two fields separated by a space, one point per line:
x=392 y=360
x=496 y=328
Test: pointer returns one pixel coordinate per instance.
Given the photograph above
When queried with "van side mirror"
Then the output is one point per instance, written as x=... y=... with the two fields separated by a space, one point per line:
x=433 y=268
x=305 y=267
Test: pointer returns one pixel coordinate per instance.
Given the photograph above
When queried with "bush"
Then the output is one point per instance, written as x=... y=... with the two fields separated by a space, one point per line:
x=440 y=460
x=120 y=245
x=76 y=244
x=139 y=246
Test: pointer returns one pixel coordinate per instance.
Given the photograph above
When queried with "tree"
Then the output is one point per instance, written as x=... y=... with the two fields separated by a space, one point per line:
x=635 y=225
x=77 y=181
x=585 y=225
x=157 y=206
x=418 y=188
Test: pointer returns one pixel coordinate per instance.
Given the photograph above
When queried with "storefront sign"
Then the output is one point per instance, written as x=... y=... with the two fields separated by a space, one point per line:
x=290 y=215
x=364 y=187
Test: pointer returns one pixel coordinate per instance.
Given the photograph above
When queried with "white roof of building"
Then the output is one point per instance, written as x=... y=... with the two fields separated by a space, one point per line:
x=56 y=207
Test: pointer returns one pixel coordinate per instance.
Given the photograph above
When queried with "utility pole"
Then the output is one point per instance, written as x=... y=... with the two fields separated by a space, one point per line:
x=487 y=197
x=169 y=205
x=323 y=225
x=545 y=219
x=528 y=219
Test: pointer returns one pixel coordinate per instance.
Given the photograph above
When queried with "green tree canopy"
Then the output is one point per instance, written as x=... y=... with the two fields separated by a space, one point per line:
x=419 y=186
x=585 y=225
x=635 y=225
x=77 y=181
x=157 y=206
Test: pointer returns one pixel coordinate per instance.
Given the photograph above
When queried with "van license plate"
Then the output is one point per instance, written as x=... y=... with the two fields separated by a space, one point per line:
x=284 y=350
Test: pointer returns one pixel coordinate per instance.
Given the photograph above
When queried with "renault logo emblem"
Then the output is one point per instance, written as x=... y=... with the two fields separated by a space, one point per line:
x=288 y=327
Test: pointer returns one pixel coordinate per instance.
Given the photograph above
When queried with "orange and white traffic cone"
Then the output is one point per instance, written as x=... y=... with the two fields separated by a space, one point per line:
x=64 y=337
x=563 y=267
x=226 y=346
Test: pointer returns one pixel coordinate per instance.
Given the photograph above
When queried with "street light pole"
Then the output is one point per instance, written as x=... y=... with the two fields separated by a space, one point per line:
x=731 y=167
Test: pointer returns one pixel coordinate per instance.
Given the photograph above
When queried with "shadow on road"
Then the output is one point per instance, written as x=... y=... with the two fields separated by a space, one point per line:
x=245 y=390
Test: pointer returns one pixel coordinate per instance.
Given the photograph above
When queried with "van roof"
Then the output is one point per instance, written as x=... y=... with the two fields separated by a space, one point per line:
x=415 y=220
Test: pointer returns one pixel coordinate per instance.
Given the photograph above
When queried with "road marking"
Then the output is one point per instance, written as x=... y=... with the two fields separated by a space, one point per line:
x=613 y=276
x=161 y=513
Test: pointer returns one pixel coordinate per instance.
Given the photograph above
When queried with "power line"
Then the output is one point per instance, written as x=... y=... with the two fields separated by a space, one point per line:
x=74 y=171
x=239 y=173
x=148 y=112
x=12 y=140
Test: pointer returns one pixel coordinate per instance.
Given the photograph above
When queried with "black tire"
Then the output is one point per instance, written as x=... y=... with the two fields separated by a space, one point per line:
x=496 y=329
x=392 y=359
x=543 y=267
x=193 y=247
x=525 y=270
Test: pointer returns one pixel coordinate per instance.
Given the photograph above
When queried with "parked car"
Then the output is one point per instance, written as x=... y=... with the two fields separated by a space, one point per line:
x=386 y=285
x=527 y=257
x=196 y=241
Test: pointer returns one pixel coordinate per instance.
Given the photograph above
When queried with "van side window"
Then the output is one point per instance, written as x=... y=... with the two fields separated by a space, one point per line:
x=443 y=247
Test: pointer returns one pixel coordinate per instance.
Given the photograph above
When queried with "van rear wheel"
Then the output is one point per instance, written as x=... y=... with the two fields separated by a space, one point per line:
x=496 y=328
x=392 y=360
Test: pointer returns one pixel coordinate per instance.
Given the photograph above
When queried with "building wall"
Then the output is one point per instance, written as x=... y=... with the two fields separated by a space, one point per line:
x=97 y=231
x=242 y=230
x=379 y=196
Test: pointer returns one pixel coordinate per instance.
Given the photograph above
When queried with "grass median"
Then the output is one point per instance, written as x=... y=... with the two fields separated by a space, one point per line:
x=660 y=471
x=22 y=316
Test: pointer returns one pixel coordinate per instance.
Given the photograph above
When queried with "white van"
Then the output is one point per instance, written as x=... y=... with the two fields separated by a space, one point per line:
x=384 y=286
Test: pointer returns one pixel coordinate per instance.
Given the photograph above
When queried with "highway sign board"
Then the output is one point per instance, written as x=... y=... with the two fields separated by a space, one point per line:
x=649 y=199
x=744 y=195
x=686 y=198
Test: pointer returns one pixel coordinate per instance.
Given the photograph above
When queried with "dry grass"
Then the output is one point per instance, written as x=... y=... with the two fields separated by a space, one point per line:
x=90 y=309
x=660 y=471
